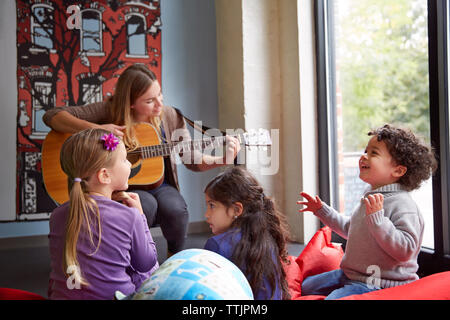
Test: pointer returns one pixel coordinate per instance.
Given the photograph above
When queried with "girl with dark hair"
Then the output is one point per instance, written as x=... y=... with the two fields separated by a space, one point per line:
x=249 y=231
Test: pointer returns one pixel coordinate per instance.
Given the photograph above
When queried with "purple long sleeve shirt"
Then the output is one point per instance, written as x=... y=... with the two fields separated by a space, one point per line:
x=126 y=256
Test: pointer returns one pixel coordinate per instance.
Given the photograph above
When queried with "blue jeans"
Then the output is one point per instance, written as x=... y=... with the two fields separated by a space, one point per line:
x=333 y=284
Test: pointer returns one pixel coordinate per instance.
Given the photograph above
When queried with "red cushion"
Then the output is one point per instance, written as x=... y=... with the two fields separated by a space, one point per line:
x=320 y=255
x=294 y=278
x=311 y=297
x=432 y=287
x=16 y=294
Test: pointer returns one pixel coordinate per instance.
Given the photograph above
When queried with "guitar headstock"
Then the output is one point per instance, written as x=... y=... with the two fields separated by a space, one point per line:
x=257 y=138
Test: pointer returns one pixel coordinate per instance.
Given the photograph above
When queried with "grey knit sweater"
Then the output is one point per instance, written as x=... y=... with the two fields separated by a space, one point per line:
x=382 y=248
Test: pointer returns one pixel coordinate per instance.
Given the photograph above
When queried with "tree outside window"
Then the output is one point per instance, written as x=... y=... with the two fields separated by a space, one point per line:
x=381 y=76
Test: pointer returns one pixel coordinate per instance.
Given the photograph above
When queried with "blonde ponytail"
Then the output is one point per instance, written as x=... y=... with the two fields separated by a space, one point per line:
x=81 y=204
x=82 y=155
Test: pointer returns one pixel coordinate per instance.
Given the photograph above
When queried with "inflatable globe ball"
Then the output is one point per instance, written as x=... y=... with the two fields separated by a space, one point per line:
x=194 y=274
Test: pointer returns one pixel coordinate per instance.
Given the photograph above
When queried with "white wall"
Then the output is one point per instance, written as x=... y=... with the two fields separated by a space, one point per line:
x=189 y=82
x=266 y=73
x=189 y=79
x=8 y=105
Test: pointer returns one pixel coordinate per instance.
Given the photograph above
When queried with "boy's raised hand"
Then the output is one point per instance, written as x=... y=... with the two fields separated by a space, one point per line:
x=374 y=203
x=312 y=204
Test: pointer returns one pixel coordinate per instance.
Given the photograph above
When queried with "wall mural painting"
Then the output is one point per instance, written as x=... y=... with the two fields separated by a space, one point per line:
x=71 y=53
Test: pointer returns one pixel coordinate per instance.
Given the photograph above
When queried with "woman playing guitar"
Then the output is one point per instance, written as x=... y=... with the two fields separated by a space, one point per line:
x=138 y=99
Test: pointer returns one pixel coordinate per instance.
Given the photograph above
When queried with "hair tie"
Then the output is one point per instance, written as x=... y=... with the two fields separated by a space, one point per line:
x=77 y=180
x=110 y=141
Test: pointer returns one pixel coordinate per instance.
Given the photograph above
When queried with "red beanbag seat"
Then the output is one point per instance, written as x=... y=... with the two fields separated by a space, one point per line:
x=432 y=287
x=294 y=278
x=16 y=294
x=320 y=255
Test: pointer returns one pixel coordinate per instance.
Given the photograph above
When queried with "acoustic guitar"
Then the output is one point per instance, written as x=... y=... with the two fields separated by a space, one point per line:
x=147 y=160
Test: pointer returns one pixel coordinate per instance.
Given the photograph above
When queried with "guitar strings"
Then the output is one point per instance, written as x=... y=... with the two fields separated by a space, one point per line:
x=190 y=143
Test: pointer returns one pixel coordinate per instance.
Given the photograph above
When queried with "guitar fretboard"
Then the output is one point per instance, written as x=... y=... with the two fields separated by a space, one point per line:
x=181 y=147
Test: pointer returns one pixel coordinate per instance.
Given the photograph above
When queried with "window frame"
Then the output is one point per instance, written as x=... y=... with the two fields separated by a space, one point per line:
x=129 y=54
x=43 y=90
x=326 y=117
x=438 y=259
x=87 y=34
x=430 y=260
x=91 y=91
x=48 y=29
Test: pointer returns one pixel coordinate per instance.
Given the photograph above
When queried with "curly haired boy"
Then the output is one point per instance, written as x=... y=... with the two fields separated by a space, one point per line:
x=384 y=233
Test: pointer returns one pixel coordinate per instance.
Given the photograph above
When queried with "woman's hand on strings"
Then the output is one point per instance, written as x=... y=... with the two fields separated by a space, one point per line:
x=232 y=149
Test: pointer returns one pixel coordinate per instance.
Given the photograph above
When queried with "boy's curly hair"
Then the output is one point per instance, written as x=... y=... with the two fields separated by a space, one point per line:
x=408 y=150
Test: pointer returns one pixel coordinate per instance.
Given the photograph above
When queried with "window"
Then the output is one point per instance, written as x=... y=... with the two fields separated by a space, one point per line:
x=440 y=129
x=91 y=31
x=42 y=26
x=91 y=92
x=41 y=98
x=136 y=40
x=374 y=66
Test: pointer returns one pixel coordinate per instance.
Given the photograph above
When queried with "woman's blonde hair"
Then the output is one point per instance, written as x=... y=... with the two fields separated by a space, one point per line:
x=133 y=83
x=82 y=155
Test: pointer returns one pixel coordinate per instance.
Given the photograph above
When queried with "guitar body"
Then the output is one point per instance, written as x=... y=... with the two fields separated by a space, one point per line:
x=149 y=172
x=145 y=173
x=55 y=180
x=147 y=161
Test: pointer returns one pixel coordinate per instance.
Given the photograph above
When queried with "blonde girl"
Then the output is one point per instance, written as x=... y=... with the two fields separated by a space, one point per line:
x=98 y=245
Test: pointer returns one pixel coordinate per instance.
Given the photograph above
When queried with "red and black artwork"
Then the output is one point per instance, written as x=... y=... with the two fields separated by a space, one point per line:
x=71 y=53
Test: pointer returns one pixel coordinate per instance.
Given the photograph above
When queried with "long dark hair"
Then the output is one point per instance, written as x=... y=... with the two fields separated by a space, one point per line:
x=263 y=228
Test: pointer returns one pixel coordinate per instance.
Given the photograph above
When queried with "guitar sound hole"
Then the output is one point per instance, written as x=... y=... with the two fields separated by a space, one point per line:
x=136 y=164
x=135 y=159
x=134 y=170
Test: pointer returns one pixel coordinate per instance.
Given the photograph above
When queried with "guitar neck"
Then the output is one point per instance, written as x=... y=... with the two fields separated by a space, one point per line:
x=167 y=149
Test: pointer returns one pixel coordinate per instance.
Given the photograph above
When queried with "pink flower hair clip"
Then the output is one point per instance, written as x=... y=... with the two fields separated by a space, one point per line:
x=110 y=141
